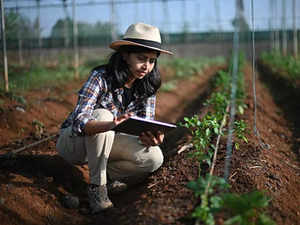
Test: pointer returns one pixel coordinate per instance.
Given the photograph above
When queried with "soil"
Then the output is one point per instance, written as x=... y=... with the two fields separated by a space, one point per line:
x=35 y=182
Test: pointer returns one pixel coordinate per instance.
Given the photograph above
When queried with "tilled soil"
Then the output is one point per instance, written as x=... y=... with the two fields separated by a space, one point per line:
x=34 y=183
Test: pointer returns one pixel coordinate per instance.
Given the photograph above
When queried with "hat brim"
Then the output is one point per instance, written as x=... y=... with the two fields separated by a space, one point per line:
x=116 y=44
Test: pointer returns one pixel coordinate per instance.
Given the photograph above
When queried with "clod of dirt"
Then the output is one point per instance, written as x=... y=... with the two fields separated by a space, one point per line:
x=71 y=202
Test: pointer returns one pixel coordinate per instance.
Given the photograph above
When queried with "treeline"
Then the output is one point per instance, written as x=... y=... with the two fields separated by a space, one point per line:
x=98 y=40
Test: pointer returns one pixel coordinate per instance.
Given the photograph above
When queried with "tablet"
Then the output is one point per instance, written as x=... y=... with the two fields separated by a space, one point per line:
x=137 y=125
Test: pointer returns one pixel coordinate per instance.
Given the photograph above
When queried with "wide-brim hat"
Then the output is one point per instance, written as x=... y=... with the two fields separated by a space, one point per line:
x=143 y=35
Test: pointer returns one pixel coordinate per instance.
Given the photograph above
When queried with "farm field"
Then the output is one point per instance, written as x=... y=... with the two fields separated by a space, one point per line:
x=34 y=183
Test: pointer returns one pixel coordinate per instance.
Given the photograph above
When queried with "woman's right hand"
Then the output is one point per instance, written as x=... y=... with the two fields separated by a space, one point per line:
x=120 y=119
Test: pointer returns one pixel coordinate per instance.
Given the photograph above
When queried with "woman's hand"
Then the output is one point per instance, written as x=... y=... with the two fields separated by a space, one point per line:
x=148 y=139
x=120 y=119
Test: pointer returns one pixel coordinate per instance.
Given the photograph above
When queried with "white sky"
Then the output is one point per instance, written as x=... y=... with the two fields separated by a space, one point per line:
x=199 y=15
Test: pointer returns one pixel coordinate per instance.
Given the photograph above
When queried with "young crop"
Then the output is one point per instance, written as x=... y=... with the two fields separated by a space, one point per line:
x=245 y=209
x=288 y=63
x=204 y=132
x=210 y=203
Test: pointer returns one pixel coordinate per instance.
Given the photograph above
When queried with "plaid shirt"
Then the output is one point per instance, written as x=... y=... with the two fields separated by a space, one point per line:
x=95 y=94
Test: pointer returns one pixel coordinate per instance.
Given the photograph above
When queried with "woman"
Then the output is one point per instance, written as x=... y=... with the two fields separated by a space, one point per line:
x=125 y=86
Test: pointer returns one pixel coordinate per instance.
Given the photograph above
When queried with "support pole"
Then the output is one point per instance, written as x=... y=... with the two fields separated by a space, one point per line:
x=75 y=40
x=38 y=2
x=277 y=35
x=3 y=37
x=113 y=21
x=284 y=32
x=20 y=42
x=295 y=36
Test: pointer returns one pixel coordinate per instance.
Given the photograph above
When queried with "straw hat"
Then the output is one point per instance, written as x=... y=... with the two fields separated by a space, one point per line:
x=141 y=34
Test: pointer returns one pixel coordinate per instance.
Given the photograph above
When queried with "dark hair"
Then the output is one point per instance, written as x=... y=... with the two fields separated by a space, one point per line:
x=118 y=72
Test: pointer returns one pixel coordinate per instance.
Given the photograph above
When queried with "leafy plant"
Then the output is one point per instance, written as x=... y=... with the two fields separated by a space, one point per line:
x=245 y=208
x=289 y=64
x=242 y=207
x=240 y=128
x=209 y=203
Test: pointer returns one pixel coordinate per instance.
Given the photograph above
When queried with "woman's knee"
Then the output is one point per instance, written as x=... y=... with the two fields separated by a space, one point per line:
x=103 y=115
x=154 y=159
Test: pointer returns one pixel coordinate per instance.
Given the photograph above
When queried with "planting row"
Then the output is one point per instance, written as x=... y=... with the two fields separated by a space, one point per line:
x=213 y=191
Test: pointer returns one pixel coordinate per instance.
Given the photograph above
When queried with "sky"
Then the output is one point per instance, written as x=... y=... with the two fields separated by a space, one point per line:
x=173 y=16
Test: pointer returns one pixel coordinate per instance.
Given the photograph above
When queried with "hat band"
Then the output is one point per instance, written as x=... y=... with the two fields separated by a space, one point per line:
x=152 y=44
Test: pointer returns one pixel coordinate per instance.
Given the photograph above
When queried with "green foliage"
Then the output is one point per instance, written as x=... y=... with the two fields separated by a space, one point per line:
x=240 y=128
x=288 y=63
x=209 y=203
x=11 y=95
x=202 y=133
x=85 y=30
x=186 y=67
x=17 y=24
x=245 y=208
x=35 y=76
x=168 y=86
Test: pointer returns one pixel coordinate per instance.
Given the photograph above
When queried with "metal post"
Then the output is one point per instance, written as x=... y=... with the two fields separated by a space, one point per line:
x=277 y=36
x=295 y=36
x=271 y=25
x=5 y=75
x=284 y=32
x=75 y=40
x=113 y=23
x=39 y=29
x=20 y=41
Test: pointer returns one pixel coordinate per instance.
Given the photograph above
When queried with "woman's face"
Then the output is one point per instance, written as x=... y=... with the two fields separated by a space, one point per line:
x=140 y=64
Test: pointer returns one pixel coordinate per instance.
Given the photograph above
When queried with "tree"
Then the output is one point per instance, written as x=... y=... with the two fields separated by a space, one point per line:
x=14 y=23
x=85 y=30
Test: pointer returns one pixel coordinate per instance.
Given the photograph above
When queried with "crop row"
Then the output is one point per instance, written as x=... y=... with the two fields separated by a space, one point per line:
x=212 y=191
x=288 y=66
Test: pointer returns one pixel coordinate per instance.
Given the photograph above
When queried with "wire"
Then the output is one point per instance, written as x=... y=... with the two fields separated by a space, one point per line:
x=256 y=131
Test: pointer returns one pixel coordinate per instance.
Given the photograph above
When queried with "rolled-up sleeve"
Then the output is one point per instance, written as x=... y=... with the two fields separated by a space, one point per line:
x=87 y=99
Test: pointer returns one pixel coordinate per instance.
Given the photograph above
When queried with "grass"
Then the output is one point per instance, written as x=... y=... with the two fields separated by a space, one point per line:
x=37 y=76
x=185 y=67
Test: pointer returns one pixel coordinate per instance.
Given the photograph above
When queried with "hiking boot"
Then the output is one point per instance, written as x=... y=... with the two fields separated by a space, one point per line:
x=98 y=198
x=116 y=187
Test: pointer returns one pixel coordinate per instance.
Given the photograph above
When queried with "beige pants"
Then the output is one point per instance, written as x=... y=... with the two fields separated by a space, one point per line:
x=120 y=156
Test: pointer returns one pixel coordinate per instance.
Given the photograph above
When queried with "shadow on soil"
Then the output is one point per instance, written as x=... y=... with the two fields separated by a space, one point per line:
x=47 y=172
x=286 y=96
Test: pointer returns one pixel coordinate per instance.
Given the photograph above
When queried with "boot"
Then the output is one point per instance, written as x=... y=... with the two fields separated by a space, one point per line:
x=98 y=198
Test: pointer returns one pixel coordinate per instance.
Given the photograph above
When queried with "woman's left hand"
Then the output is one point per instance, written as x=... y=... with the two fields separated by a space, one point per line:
x=148 y=139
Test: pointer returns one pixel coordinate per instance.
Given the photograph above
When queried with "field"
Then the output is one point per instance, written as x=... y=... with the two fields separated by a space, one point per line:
x=34 y=183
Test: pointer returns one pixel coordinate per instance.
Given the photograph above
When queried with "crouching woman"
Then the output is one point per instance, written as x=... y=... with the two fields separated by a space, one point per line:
x=125 y=86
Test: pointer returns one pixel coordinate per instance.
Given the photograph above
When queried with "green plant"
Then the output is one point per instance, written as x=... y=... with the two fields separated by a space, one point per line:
x=288 y=63
x=168 y=86
x=210 y=203
x=203 y=132
x=245 y=209
x=240 y=128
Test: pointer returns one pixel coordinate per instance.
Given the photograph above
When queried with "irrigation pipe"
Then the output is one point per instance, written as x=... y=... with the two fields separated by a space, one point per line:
x=12 y=153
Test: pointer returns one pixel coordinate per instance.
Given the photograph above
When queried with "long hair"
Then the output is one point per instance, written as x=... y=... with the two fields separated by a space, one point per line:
x=118 y=73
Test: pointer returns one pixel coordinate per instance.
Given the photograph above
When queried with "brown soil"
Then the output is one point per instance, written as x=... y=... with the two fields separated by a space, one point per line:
x=34 y=183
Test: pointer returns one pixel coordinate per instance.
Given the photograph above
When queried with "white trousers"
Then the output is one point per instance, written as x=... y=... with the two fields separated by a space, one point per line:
x=120 y=156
